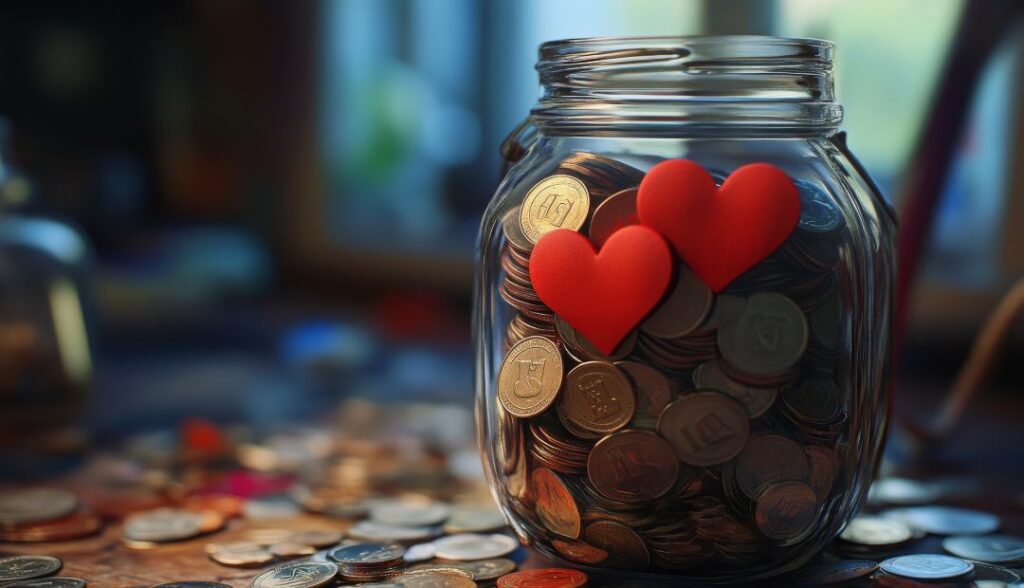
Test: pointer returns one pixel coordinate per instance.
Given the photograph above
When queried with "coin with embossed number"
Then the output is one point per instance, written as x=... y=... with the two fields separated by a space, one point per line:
x=705 y=428
x=530 y=377
x=297 y=574
x=556 y=202
x=626 y=549
x=23 y=567
x=544 y=578
x=927 y=566
x=767 y=339
x=598 y=397
x=786 y=510
x=556 y=507
x=633 y=466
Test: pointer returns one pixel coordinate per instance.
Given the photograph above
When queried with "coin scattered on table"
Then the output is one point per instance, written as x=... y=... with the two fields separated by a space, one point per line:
x=927 y=566
x=61 y=582
x=163 y=525
x=297 y=574
x=18 y=507
x=834 y=572
x=876 y=531
x=192 y=584
x=1002 y=549
x=465 y=519
x=468 y=546
x=24 y=567
x=945 y=520
x=409 y=514
x=545 y=578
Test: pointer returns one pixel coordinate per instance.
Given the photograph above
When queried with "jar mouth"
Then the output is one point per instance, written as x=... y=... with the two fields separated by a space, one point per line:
x=769 y=82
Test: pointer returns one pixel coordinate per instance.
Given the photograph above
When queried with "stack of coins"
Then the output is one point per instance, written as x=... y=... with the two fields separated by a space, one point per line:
x=714 y=435
x=368 y=562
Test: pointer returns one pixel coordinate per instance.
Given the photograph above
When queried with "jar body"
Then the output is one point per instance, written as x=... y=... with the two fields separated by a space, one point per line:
x=813 y=432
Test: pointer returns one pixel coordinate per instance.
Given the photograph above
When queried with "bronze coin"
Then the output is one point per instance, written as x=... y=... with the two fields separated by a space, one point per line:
x=769 y=337
x=77 y=525
x=682 y=310
x=556 y=202
x=626 y=549
x=755 y=400
x=705 y=428
x=652 y=388
x=617 y=211
x=633 y=466
x=598 y=397
x=579 y=552
x=767 y=459
x=824 y=468
x=544 y=578
x=583 y=350
x=556 y=506
x=786 y=510
x=530 y=377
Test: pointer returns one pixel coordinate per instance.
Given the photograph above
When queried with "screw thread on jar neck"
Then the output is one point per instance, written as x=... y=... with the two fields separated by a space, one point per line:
x=672 y=86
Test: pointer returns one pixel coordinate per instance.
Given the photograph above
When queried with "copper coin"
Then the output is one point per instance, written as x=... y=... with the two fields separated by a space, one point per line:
x=834 y=572
x=705 y=428
x=769 y=337
x=633 y=466
x=767 y=459
x=556 y=506
x=243 y=559
x=652 y=389
x=530 y=377
x=617 y=211
x=556 y=202
x=579 y=551
x=682 y=310
x=755 y=400
x=824 y=468
x=626 y=549
x=78 y=525
x=291 y=549
x=786 y=510
x=583 y=350
x=545 y=578
x=598 y=397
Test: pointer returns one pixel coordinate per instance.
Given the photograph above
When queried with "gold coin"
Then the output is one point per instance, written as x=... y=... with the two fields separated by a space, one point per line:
x=598 y=397
x=530 y=377
x=556 y=202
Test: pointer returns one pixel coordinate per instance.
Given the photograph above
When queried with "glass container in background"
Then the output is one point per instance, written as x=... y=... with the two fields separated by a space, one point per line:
x=746 y=425
x=46 y=355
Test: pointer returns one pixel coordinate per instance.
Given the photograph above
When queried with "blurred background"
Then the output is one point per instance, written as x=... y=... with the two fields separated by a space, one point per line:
x=240 y=212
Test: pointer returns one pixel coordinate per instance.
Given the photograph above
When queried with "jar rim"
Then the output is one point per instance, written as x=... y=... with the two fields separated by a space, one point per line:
x=556 y=47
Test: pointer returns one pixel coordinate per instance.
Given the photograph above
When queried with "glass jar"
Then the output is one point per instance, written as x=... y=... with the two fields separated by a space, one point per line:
x=730 y=429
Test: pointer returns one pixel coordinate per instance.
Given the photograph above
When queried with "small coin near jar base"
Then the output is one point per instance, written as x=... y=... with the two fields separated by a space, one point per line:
x=726 y=430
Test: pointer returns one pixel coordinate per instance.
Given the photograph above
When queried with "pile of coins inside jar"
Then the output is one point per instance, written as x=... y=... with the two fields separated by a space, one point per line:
x=713 y=434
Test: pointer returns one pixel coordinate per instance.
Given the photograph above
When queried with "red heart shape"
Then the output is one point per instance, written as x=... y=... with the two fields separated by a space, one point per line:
x=719 y=232
x=602 y=295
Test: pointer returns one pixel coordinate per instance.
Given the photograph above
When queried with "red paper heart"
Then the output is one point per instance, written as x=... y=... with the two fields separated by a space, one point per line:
x=602 y=295
x=719 y=232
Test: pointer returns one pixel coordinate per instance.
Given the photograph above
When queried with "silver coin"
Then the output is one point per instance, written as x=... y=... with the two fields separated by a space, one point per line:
x=987 y=548
x=381 y=533
x=488 y=569
x=876 y=531
x=24 y=567
x=48 y=583
x=464 y=519
x=192 y=584
x=162 y=525
x=18 y=507
x=297 y=574
x=834 y=572
x=927 y=566
x=946 y=520
x=768 y=338
x=420 y=552
x=409 y=514
x=902 y=491
x=368 y=553
x=470 y=546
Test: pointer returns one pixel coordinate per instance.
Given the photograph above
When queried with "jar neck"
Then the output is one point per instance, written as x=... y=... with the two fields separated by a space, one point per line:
x=681 y=86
